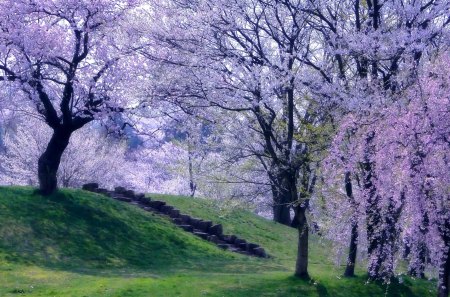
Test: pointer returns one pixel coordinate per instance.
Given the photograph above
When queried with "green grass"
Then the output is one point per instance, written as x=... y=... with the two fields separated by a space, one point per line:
x=76 y=243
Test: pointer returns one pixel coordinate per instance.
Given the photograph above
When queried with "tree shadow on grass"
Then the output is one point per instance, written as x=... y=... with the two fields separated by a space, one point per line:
x=322 y=291
x=396 y=289
x=75 y=231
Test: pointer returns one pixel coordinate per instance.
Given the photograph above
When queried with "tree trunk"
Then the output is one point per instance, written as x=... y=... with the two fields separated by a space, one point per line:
x=444 y=272
x=192 y=184
x=281 y=213
x=282 y=203
x=418 y=267
x=374 y=220
x=49 y=161
x=353 y=248
x=301 y=266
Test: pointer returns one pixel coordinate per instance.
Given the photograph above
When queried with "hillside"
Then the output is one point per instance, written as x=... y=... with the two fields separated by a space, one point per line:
x=76 y=243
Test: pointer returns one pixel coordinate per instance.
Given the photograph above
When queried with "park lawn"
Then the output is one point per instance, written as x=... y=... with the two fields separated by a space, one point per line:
x=76 y=243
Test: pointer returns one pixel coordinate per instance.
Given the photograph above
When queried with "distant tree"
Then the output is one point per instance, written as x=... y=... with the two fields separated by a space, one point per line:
x=89 y=156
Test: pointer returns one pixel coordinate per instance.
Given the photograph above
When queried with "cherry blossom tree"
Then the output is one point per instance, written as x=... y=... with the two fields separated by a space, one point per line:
x=410 y=161
x=370 y=53
x=89 y=157
x=245 y=57
x=69 y=60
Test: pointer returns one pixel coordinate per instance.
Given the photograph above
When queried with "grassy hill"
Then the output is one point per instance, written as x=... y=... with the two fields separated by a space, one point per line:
x=76 y=243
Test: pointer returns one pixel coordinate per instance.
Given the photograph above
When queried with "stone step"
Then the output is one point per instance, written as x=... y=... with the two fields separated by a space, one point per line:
x=145 y=201
x=121 y=198
x=224 y=246
x=213 y=238
x=119 y=190
x=252 y=246
x=260 y=252
x=243 y=246
x=140 y=197
x=185 y=218
x=166 y=209
x=216 y=230
x=229 y=238
x=90 y=187
x=238 y=241
x=174 y=213
x=101 y=191
x=201 y=234
x=143 y=206
x=130 y=194
x=178 y=221
x=194 y=222
x=156 y=204
x=187 y=228
x=204 y=225
x=206 y=230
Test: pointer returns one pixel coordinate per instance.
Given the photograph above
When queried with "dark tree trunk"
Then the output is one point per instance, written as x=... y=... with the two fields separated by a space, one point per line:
x=418 y=269
x=353 y=248
x=373 y=215
x=444 y=278
x=373 y=224
x=281 y=212
x=49 y=161
x=282 y=201
x=192 y=184
x=444 y=272
x=301 y=266
x=384 y=248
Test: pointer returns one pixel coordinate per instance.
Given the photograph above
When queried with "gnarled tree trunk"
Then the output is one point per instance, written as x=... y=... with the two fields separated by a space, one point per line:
x=352 y=251
x=353 y=248
x=281 y=207
x=301 y=266
x=49 y=161
x=282 y=199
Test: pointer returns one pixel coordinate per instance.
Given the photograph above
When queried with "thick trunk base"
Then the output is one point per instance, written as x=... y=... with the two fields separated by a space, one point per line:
x=282 y=214
x=301 y=266
x=48 y=163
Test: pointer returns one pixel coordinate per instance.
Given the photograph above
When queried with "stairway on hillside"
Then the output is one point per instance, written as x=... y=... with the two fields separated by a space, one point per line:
x=206 y=230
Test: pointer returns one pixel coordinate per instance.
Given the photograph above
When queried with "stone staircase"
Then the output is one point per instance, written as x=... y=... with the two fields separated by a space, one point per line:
x=206 y=230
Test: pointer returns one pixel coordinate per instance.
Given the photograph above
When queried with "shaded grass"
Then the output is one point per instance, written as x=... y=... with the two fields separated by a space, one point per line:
x=73 y=229
x=76 y=243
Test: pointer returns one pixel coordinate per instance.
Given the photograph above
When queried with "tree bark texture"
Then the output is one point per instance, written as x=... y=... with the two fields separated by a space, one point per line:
x=301 y=266
x=353 y=248
x=49 y=161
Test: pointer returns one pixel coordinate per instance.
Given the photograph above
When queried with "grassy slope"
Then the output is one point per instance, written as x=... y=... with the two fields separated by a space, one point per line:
x=81 y=244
